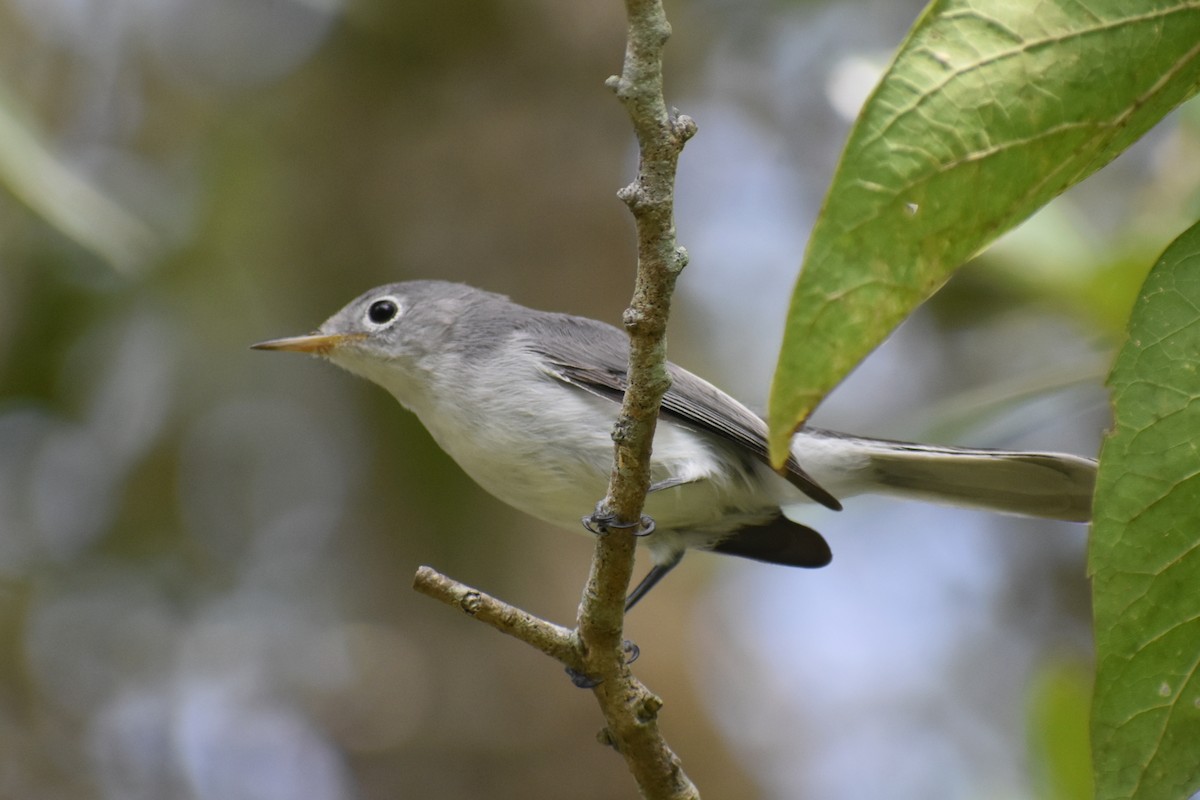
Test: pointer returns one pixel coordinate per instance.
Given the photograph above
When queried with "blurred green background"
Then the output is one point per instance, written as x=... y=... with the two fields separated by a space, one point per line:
x=206 y=552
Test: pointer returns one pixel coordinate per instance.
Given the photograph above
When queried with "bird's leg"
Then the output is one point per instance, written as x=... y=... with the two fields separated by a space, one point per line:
x=601 y=520
x=671 y=483
x=656 y=574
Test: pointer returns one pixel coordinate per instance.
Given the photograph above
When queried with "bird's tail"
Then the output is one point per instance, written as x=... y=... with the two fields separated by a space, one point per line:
x=1050 y=485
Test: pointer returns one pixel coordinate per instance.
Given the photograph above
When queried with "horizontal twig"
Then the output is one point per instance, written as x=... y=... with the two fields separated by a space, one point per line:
x=555 y=641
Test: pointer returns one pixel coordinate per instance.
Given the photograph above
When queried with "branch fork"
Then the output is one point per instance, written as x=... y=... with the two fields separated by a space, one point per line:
x=595 y=648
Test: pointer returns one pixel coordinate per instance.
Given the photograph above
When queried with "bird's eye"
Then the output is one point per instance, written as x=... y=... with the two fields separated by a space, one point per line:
x=381 y=312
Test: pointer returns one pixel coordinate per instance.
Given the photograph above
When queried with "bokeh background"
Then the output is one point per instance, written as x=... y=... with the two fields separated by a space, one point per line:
x=206 y=552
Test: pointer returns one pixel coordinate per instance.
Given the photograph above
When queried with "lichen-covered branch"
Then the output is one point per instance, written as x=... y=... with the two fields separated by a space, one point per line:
x=554 y=640
x=661 y=134
x=595 y=650
x=630 y=709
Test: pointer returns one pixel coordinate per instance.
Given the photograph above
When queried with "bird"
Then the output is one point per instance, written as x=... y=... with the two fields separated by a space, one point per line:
x=524 y=401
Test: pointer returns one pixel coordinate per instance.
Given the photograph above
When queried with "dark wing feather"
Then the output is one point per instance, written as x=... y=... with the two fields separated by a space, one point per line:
x=593 y=356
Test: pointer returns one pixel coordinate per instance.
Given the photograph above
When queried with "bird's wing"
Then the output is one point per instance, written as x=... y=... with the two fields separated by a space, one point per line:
x=593 y=356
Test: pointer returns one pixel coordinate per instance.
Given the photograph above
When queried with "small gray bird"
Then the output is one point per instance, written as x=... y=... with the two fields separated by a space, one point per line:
x=525 y=402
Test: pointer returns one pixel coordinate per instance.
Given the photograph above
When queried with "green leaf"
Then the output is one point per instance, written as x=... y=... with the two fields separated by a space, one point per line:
x=991 y=108
x=1144 y=555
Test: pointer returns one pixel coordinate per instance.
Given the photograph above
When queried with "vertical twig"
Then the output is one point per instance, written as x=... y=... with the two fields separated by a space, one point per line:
x=630 y=709
x=596 y=648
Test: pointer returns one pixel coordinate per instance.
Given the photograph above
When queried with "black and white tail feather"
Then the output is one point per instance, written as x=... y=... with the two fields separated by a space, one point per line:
x=1035 y=484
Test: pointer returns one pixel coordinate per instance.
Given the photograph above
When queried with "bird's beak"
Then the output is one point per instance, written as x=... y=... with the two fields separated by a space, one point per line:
x=316 y=343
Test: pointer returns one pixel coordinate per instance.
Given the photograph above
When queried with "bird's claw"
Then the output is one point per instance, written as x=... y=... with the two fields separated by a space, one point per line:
x=600 y=522
x=592 y=524
x=582 y=681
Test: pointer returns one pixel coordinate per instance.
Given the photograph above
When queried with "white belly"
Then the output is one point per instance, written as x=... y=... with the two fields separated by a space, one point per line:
x=545 y=462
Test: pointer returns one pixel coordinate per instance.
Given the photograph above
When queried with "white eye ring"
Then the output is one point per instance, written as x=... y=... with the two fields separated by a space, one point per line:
x=382 y=312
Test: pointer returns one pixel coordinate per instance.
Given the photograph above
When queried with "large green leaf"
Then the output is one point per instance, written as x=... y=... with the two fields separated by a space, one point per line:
x=1145 y=549
x=991 y=108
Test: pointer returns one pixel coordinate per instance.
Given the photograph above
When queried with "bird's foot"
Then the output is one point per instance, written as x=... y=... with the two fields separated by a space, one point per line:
x=585 y=681
x=582 y=681
x=601 y=521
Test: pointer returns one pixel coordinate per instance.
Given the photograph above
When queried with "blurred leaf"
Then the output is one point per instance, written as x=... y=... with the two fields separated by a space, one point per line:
x=1145 y=549
x=990 y=109
x=66 y=199
x=1058 y=733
